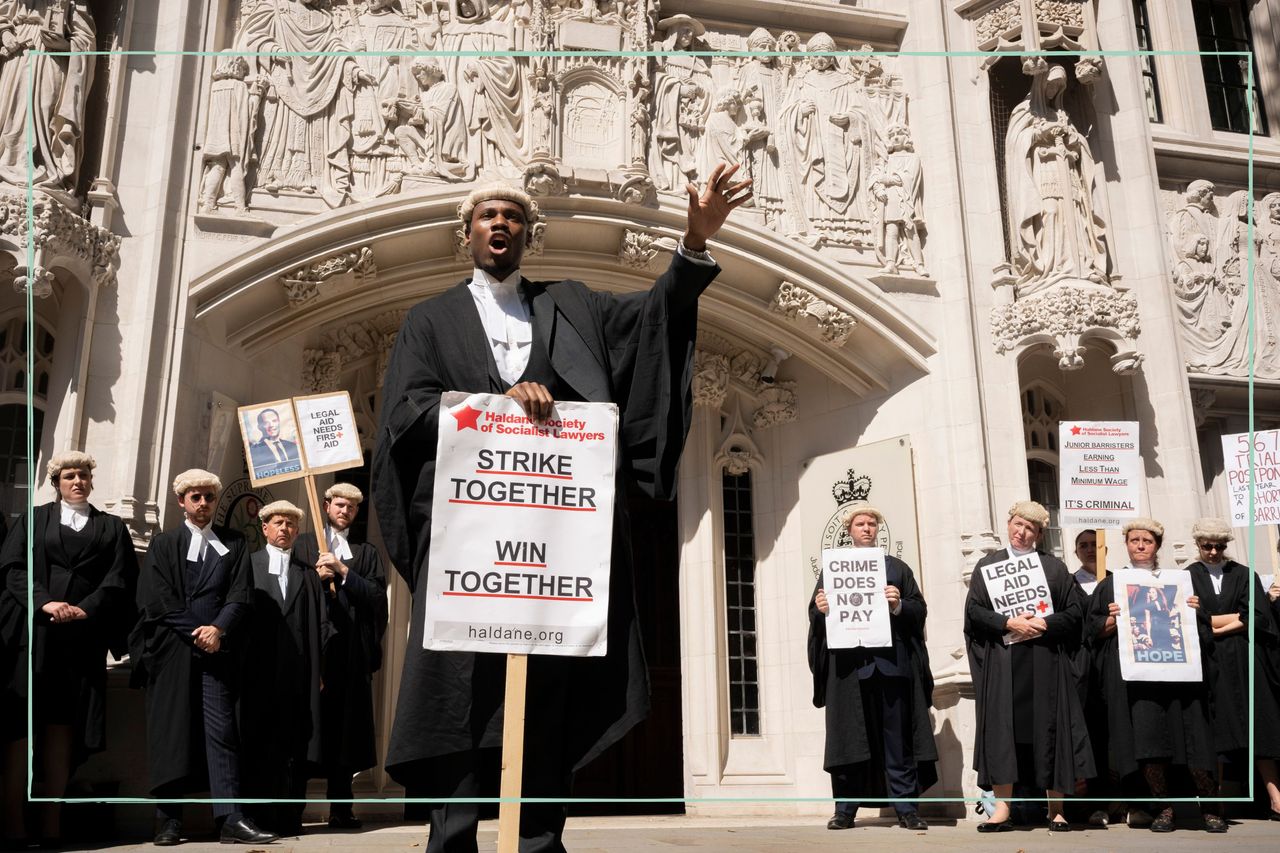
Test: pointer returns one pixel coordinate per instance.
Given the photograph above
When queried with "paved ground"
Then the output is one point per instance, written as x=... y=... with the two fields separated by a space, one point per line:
x=772 y=834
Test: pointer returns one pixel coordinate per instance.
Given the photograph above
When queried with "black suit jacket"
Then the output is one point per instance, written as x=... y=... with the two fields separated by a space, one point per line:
x=262 y=459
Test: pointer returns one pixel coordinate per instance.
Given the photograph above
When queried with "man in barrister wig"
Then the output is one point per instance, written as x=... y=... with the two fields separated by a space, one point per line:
x=356 y=601
x=537 y=342
x=281 y=698
x=1029 y=728
x=879 y=736
x=194 y=594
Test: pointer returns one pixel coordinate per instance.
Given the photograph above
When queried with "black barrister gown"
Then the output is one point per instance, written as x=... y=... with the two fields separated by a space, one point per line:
x=1266 y=674
x=1147 y=720
x=280 y=697
x=69 y=660
x=164 y=654
x=635 y=350
x=358 y=613
x=1060 y=740
x=835 y=687
x=1226 y=658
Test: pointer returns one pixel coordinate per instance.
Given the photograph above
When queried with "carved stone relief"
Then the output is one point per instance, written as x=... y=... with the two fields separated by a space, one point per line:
x=60 y=87
x=999 y=25
x=303 y=284
x=344 y=345
x=1066 y=316
x=62 y=238
x=639 y=249
x=1209 y=241
x=834 y=325
x=300 y=125
x=722 y=367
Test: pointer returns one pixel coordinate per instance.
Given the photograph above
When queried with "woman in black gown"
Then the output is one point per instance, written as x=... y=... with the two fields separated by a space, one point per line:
x=1152 y=726
x=83 y=572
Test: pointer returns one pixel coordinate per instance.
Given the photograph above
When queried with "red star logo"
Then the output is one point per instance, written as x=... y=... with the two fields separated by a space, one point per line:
x=466 y=417
x=1042 y=607
x=1075 y=430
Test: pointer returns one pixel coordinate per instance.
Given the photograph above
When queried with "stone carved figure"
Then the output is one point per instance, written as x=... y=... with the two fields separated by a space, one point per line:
x=829 y=136
x=1266 y=284
x=723 y=140
x=1056 y=223
x=60 y=89
x=306 y=123
x=433 y=135
x=898 y=190
x=492 y=87
x=228 y=138
x=760 y=82
x=681 y=103
x=1204 y=306
x=382 y=28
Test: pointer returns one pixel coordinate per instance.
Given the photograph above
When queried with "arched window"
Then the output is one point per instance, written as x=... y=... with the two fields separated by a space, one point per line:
x=1042 y=409
x=14 y=383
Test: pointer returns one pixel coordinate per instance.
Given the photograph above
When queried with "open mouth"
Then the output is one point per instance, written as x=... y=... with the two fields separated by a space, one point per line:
x=499 y=243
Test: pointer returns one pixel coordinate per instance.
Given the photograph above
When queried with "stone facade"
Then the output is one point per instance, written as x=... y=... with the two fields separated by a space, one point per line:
x=936 y=245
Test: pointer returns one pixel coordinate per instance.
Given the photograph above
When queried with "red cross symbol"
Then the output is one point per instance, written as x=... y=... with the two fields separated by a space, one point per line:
x=1042 y=607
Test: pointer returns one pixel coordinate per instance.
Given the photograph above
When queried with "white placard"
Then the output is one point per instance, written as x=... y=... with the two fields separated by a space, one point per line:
x=521 y=528
x=1101 y=470
x=327 y=428
x=858 y=615
x=1235 y=464
x=1017 y=587
x=1156 y=627
x=1267 y=581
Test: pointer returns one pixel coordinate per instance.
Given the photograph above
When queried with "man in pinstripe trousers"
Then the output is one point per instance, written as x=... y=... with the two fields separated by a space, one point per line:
x=194 y=592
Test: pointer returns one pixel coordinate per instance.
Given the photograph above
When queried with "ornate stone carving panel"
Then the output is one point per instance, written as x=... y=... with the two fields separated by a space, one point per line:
x=833 y=324
x=62 y=238
x=1209 y=242
x=291 y=131
x=303 y=284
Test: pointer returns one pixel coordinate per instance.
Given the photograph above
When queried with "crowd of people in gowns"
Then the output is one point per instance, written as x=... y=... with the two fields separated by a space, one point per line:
x=257 y=664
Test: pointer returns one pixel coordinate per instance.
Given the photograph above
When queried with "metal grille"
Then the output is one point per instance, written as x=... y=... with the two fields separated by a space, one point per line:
x=1223 y=25
x=740 y=604
x=1005 y=95
x=13 y=457
x=1150 y=83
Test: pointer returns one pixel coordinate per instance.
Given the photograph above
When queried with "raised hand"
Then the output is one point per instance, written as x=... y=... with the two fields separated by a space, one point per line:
x=709 y=209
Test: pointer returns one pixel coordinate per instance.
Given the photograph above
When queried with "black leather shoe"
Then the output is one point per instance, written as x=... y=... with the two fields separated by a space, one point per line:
x=1213 y=823
x=992 y=826
x=170 y=833
x=1163 y=821
x=1059 y=826
x=840 y=820
x=912 y=821
x=244 y=831
x=344 y=821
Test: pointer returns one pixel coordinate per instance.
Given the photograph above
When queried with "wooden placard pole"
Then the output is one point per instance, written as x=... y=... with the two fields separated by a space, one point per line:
x=1101 y=567
x=1273 y=531
x=512 y=753
x=318 y=520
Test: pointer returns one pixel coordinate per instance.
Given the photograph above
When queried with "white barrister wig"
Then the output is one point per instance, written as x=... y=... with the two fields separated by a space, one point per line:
x=1031 y=511
x=1150 y=525
x=855 y=510
x=346 y=491
x=68 y=459
x=284 y=508
x=505 y=192
x=196 y=478
x=1212 y=530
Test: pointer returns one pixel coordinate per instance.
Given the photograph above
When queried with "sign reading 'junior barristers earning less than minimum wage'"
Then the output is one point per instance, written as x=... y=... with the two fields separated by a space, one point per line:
x=1101 y=472
x=521 y=528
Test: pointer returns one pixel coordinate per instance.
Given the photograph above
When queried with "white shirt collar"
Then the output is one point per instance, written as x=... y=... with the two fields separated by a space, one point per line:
x=339 y=544
x=278 y=559
x=1014 y=552
x=75 y=516
x=505 y=318
x=1215 y=568
x=201 y=536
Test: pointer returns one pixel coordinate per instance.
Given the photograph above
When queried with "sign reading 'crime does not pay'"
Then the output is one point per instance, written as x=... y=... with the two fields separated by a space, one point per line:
x=854 y=581
x=1017 y=587
x=521 y=528
x=1101 y=471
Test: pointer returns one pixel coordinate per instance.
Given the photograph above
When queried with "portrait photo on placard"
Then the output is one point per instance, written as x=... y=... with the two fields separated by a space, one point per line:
x=270 y=437
x=1155 y=622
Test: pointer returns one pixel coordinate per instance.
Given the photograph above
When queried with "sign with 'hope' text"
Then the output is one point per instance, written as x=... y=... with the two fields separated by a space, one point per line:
x=1017 y=587
x=521 y=528
x=854 y=581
